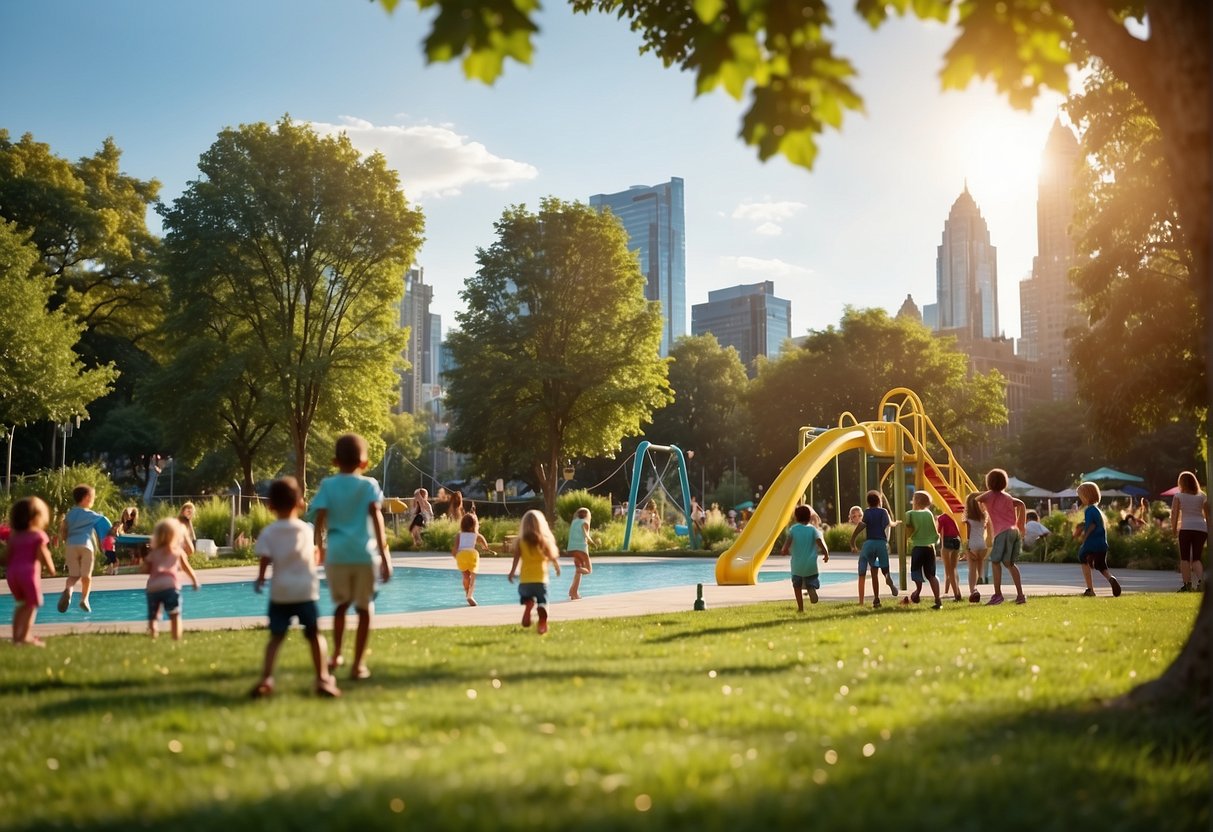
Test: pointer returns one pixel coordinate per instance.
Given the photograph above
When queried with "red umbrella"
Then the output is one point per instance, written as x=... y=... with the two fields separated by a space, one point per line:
x=1171 y=492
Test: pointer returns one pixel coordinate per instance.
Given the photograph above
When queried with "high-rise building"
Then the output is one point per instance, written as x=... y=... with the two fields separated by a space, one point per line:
x=966 y=273
x=654 y=219
x=415 y=314
x=748 y=318
x=1048 y=308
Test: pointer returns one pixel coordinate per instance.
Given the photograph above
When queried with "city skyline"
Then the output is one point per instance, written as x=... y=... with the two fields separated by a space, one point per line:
x=564 y=126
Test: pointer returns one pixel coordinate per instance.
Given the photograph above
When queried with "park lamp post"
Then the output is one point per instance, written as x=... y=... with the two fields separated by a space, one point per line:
x=386 y=456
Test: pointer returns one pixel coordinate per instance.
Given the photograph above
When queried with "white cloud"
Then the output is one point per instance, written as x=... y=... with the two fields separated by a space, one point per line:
x=769 y=229
x=433 y=160
x=767 y=267
x=768 y=211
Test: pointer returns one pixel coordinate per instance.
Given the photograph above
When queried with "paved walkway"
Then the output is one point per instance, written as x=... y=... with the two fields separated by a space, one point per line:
x=1039 y=579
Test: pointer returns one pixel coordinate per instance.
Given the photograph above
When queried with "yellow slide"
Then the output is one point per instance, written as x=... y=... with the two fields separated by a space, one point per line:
x=739 y=564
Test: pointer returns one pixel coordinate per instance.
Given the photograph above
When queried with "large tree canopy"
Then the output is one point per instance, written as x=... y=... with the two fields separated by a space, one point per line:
x=850 y=367
x=299 y=243
x=556 y=355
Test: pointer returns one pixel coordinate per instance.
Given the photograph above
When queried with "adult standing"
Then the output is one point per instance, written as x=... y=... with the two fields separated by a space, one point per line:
x=454 y=509
x=1190 y=523
x=186 y=519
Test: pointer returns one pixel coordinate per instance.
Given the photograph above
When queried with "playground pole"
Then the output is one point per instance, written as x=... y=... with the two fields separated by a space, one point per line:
x=837 y=495
x=899 y=499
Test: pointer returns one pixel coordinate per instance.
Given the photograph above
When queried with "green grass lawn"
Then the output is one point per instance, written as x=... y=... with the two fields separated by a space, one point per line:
x=745 y=718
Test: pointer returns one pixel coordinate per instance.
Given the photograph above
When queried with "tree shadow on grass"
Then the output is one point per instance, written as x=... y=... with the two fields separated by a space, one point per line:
x=1049 y=770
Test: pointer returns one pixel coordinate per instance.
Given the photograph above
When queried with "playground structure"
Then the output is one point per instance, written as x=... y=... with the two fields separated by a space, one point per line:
x=676 y=455
x=903 y=437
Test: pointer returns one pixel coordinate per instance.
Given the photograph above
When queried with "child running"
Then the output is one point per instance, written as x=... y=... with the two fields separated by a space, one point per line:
x=1190 y=523
x=920 y=523
x=579 y=549
x=1094 y=551
x=976 y=524
x=109 y=548
x=287 y=546
x=78 y=528
x=535 y=548
x=1006 y=520
x=876 y=522
x=949 y=545
x=28 y=552
x=803 y=543
x=422 y=511
x=347 y=507
x=163 y=564
x=467 y=555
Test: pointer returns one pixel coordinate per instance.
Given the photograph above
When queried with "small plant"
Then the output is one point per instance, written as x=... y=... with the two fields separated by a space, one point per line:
x=838 y=538
x=439 y=534
x=570 y=501
x=716 y=531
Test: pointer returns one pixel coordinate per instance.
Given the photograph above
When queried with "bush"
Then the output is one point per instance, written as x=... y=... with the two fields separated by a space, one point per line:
x=716 y=531
x=212 y=519
x=838 y=538
x=253 y=521
x=55 y=487
x=570 y=501
x=439 y=534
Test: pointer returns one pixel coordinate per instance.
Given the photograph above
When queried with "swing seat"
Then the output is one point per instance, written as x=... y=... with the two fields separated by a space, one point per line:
x=681 y=530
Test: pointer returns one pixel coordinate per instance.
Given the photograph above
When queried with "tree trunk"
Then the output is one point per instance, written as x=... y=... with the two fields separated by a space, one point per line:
x=299 y=444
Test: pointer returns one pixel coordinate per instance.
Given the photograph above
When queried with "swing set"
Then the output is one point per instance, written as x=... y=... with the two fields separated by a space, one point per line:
x=674 y=455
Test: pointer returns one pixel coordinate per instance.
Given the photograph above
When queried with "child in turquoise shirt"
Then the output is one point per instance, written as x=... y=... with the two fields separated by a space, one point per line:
x=803 y=543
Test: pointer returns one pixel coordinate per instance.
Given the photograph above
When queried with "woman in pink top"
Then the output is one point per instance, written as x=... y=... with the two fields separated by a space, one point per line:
x=1006 y=519
x=27 y=554
x=167 y=556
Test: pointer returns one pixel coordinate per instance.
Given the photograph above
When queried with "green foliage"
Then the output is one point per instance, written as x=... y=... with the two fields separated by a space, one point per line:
x=291 y=246
x=707 y=413
x=838 y=537
x=569 y=501
x=1151 y=547
x=439 y=534
x=88 y=224
x=1133 y=248
x=715 y=531
x=651 y=701
x=212 y=519
x=850 y=367
x=55 y=487
x=41 y=375
x=535 y=382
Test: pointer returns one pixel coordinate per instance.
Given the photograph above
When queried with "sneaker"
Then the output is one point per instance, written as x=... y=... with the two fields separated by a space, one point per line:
x=974 y=597
x=541 y=627
x=1116 y=590
x=526 y=617
x=892 y=586
x=84 y=605
x=994 y=601
x=1021 y=599
x=1090 y=593
x=938 y=605
x=876 y=604
x=915 y=596
x=958 y=597
x=1186 y=588
x=65 y=600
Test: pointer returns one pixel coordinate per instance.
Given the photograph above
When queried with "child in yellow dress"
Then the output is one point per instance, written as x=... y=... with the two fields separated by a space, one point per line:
x=535 y=548
x=467 y=555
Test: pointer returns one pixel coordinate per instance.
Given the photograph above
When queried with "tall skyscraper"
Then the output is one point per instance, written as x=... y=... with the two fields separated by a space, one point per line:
x=748 y=318
x=415 y=314
x=966 y=274
x=654 y=219
x=1047 y=304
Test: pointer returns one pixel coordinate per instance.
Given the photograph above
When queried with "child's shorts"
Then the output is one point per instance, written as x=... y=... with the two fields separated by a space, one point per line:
x=79 y=561
x=875 y=553
x=952 y=543
x=537 y=592
x=922 y=563
x=1096 y=560
x=26 y=586
x=170 y=599
x=308 y=613
x=1006 y=547
x=111 y=557
x=467 y=560
x=351 y=583
x=806 y=582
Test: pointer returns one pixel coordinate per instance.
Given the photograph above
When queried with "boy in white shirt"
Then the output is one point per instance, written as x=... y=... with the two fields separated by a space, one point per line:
x=1034 y=530
x=294 y=588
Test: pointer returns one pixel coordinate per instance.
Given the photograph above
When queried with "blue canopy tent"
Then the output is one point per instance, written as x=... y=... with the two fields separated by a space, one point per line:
x=1111 y=477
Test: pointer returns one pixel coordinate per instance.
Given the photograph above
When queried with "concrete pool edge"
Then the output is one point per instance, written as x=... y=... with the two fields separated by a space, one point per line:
x=1039 y=579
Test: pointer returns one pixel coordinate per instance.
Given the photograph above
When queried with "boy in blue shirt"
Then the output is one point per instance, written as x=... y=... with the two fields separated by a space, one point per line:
x=1093 y=553
x=77 y=530
x=347 y=506
x=876 y=522
x=803 y=543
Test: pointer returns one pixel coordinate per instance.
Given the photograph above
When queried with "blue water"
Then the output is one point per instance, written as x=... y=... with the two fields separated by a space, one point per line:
x=412 y=589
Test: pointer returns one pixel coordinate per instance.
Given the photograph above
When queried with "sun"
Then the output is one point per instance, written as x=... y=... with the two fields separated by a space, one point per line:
x=1000 y=151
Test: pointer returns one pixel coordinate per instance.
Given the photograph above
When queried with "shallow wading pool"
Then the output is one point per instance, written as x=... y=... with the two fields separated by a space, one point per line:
x=412 y=589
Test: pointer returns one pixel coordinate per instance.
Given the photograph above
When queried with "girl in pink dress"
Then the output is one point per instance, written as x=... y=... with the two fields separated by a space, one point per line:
x=28 y=552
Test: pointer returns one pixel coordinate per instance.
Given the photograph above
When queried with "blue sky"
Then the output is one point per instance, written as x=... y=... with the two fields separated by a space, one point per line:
x=589 y=116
